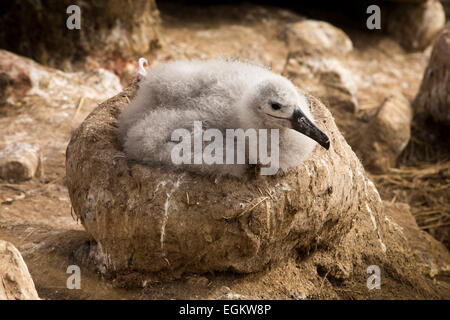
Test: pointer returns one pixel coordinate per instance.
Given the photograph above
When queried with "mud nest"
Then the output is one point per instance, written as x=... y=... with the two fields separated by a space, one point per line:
x=153 y=219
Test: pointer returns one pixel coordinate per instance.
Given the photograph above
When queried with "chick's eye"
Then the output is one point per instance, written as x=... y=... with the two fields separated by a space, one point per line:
x=275 y=106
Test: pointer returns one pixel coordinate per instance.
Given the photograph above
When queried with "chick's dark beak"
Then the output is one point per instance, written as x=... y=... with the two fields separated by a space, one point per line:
x=303 y=125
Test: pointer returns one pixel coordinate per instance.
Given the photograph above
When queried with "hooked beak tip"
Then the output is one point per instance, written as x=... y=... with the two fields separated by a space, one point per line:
x=326 y=144
x=303 y=125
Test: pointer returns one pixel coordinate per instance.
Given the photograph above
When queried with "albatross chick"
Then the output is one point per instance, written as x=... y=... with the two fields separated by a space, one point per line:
x=220 y=101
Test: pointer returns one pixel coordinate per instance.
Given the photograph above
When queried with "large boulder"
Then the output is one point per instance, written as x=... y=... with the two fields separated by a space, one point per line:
x=446 y=5
x=324 y=77
x=387 y=134
x=325 y=213
x=24 y=79
x=15 y=280
x=415 y=24
x=433 y=98
x=126 y=28
x=317 y=37
x=315 y=63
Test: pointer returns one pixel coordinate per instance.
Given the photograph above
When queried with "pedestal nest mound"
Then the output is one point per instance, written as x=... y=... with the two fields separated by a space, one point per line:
x=148 y=219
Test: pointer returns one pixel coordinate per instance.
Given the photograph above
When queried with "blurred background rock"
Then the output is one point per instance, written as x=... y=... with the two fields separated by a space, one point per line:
x=111 y=29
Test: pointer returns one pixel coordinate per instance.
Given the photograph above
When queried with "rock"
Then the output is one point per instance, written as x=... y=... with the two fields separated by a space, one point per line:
x=432 y=254
x=433 y=98
x=387 y=134
x=15 y=280
x=415 y=25
x=14 y=82
x=326 y=78
x=20 y=77
x=446 y=5
x=197 y=281
x=129 y=28
x=19 y=161
x=317 y=37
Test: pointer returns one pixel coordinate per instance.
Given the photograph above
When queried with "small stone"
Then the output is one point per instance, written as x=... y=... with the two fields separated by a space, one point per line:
x=234 y=296
x=225 y=289
x=198 y=281
x=19 y=161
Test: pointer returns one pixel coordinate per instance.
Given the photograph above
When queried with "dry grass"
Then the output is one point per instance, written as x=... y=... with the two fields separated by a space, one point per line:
x=423 y=180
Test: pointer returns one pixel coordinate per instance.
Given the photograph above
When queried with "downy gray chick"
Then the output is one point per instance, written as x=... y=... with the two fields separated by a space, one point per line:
x=223 y=95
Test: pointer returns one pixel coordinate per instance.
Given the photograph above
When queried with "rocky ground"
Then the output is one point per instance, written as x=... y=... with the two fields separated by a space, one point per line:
x=356 y=73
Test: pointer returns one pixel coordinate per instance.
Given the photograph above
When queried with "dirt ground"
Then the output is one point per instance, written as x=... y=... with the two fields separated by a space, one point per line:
x=36 y=215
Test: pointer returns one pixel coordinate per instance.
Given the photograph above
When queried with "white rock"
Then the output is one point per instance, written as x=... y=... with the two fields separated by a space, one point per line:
x=24 y=77
x=15 y=280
